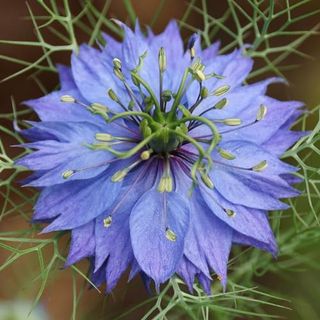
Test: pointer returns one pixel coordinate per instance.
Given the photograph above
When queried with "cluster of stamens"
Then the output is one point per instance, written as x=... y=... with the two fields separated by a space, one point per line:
x=164 y=132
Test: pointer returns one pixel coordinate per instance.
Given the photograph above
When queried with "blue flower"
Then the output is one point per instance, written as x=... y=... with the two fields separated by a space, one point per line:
x=158 y=159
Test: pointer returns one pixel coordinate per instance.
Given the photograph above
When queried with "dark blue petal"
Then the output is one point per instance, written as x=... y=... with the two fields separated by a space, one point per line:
x=82 y=243
x=208 y=241
x=187 y=271
x=271 y=246
x=66 y=78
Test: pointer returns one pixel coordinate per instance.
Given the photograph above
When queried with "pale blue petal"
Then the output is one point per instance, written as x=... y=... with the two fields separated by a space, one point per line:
x=157 y=256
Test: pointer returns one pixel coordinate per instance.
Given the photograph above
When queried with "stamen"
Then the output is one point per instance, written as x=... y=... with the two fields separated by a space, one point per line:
x=207 y=181
x=260 y=116
x=99 y=108
x=121 y=174
x=145 y=155
x=162 y=59
x=231 y=122
x=192 y=52
x=191 y=43
x=257 y=168
x=67 y=99
x=230 y=213
x=166 y=181
x=118 y=74
x=214 y=75
x=226 y=154
x=105 y=137
x=170 y=235
x=113 y=96
x=165 y=184
x=107 y=221
x=221 y=90
x=117 y=63
x=68 y=173
x=219 y=105
x=199 y=75
x=260 y=166
x=261 y=112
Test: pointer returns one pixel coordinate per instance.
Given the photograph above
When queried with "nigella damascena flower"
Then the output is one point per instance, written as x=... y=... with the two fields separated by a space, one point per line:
x=158 y=159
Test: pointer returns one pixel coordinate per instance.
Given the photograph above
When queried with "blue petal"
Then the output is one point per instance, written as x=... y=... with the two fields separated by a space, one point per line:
x=98 y=277
x=77 y=202
x=249 y=222
x=187 y=271
x=239 y=99
x=271 y=246
x=248 y=154
x=171 y=40
x=205 y=283
x=82 y=243
x=113 y=243
x=284 y=138
x=211 y=52
x=87 y=164
x=112 y=49
x=50 y=108
x=133 y=187
x=208 y=241
x=157 y=256
x=133 y=46
x=251 y=189
x=65 y=78
x=233 y=67
x=94 y=77
x=277 y=115
x=50 y=154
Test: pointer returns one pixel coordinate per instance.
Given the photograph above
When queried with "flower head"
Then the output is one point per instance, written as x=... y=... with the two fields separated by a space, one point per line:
x=158 y=159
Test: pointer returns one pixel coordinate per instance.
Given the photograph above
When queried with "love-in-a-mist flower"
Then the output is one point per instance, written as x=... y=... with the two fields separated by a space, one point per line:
x=159 y=158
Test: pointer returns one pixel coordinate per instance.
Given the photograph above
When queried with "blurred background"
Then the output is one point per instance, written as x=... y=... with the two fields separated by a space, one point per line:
x=17 y=286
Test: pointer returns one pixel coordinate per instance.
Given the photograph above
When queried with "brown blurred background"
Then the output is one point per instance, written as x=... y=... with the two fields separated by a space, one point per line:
x=57 y=299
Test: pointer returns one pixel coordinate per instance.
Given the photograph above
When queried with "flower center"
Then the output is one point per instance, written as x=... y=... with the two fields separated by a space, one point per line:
x=164 y=131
